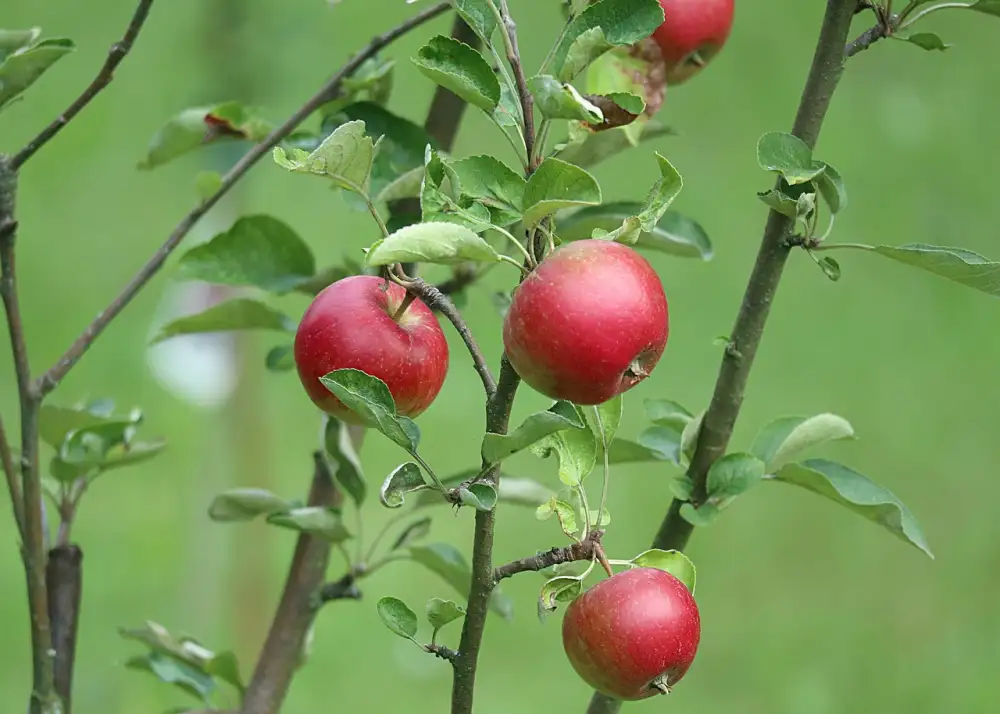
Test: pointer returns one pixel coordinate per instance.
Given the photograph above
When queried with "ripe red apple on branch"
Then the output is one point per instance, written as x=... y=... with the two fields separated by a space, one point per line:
x=692 y=33
x=354 y=324
x=633 y=635
x=589 y=323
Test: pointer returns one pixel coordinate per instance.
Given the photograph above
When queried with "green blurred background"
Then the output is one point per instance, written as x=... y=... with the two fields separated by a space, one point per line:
x=807 y=609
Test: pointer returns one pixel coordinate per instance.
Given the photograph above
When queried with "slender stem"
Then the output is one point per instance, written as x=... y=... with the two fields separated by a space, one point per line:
x=543 y=134
x=508 y=29
x=64 y=579
x=297 y=608
x=607 y=466
x=717 y=425
x=585 y=504
x=853 y=246
x=115 y=56
x=374 y=211
x=934 y=8
x=869 y=37
x=13 y=485
x=47 y=382
x=584 y=550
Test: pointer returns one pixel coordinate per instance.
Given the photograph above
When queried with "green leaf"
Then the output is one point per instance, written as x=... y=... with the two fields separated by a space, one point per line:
x=689 y=437
x=370 y=398
x=789 y=156
x=924 y=40
x=413 y=532
x=610 y=418
x=587 y=148
x=245 y=504
x=556 y=185
x=346 y=465
x=664 y=441
x=172 y=671
x=459 y=68
x=784 y=439
x=576 y=450
x=258 y=250
x=674 y=234
x=959 y=264
x=671 y=561
x=372 y=81
x=538 y=426
x=830 y=267
x=780 y=202
x=478 y=15
x=345 y=156
x=481 y=496
x=432 y=242
x=13 y=40
x=559 y=100
x=732 y=476
x=315 y=520
x=25 y=65
x=403 y=479
x=620 y=22
x=280 y=358
x=406 y=185
x=226 y=667
x=562 y=588
x=623 y=451
x=496 y=185
x=682 y=487
x=667 y=412
x=831 y=187
x=564 y=513
x=207 y=184
x=662 y=194
x=699 y=517
x=237 y=314
x=199 y=126
x=130 y=454
x=56 y=423
x=399 y=618
x=446 y=561
x=989 y=7
x=858 y=493
x=440 y=612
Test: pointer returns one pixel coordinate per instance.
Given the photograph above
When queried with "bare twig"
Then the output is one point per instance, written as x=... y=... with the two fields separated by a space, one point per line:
x=442 y=652
x=344 y=589
x=717 y=425
x=436 y=300
x=116 y=54
x=870 y=36
x=48 y=381
x=585 y=550
x=13 y=485
x=297 y=608
x=64 y=578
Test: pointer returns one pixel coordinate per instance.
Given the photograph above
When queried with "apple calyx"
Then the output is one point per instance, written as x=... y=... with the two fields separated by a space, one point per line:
x=661 y=684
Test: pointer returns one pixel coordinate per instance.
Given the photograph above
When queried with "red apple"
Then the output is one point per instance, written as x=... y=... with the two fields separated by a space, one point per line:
x=352 y=324
x=692 y=33
x=589 y=323
x=633 y=635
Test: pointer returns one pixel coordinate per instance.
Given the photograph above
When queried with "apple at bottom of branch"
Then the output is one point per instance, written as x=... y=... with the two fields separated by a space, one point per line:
x=356 y=323
x=588 y=324
x=634 y=635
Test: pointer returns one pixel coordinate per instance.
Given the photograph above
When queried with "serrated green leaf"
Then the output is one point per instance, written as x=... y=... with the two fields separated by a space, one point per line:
x=670 y=561
x=784 y=439
x=345 y=157
x=561 y=415
x=620 y=22
x=689 y=437
x=661 y=195
x=399 y=618
x=492 y=182
x=564 y=513
x=667 y=412
x=345 y=462
x=858 y=493
x=682 y=487
x=314 y=520
x=403 y=479
x=236 y=314
x=732 y=476
x=370 y=398
x=432 y=242
x=446 y=561
x=260 y=251
x=460 y=69
x=556 y=185
x=789 y=156
x=56 y=423
x=673 y=234
x=576 y=450
x=561 y=100
x=25 y=65
x=478 y=15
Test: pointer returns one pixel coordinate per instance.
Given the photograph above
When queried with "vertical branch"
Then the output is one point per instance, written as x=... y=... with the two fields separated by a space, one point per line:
x=64 y=579
x=727 y=399
x=13 y=485
x=296 y=609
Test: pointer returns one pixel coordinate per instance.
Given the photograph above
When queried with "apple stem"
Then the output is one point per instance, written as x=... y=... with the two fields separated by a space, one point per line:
x=407 y=301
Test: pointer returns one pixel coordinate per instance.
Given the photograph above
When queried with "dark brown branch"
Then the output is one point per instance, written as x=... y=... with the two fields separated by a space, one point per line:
x=527 y=100
x=585 y=550
x=47 y=382
x=116 y=54
x=727 y=399
x=869 y=37
x=344 y=589
x=296 y=609
x=436 y=300
x=64 y=578
x=442 y=652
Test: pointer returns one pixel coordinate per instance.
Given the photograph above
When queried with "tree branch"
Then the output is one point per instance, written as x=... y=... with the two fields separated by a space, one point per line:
x=585 y=550
x=344 y=589
x=527 y=101
x=116 y=54
x=48 y=381
x=297 y=608
x=64 y=579
x=870 y=36
x=717 y=425
x=436 y=300
x=13 y=485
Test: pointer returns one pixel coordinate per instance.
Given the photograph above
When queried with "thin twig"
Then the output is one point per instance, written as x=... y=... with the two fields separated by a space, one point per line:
x=116 y=54
x=344 y=589
x=48 y=381
x=297 y=608
x=717 y=425
x=527 y=101
x=584 y=550
x=64 y=578
x=870 y=36
x=441 y=651
x=13 y=485
x=436 y=300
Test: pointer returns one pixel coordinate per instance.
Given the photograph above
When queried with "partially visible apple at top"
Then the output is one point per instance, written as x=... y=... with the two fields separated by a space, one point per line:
x=692 y=33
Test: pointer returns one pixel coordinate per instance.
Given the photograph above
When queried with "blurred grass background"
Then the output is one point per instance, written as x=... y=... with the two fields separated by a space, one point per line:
x=807 y=609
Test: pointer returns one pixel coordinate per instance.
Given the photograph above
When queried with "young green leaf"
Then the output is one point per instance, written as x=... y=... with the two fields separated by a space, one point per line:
x=226 y=667
x=673 y=234
x=784 y=439
x=13 y=40
x=671 y=561
x=600 y=27
x=780 y=202
x=664 y=440
x=556 y=185
x=623 y=451
x=831 y=187
x=259 y=250
x=440 y=612
x=689 y=437
x=858 y=493
x=236 y=314
x=481 y=496
x=989 y=7
x=369 y=397
x=731 y=476
x=924 y=40
x=789 y=156
x=346 y=465
x=478 y=15
x=25 y=65
x=699 y=517
x=56 y=423
x=280 y=358
x=562 y=588
x=315 y=520
x=576 y=450
x=959 y=264
x=459 y=68
x=404 y=479
x=447 y=562
x=661 y=195
x=561 y=415
x=682 y=487
x=667 y=412
x=561 y=100
x=432 y=242
x=345 y=156
x=399 y=618
x=169 y=670
x=492 y=182
x=515 y=490
x=199 y=126
x=564 y=513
